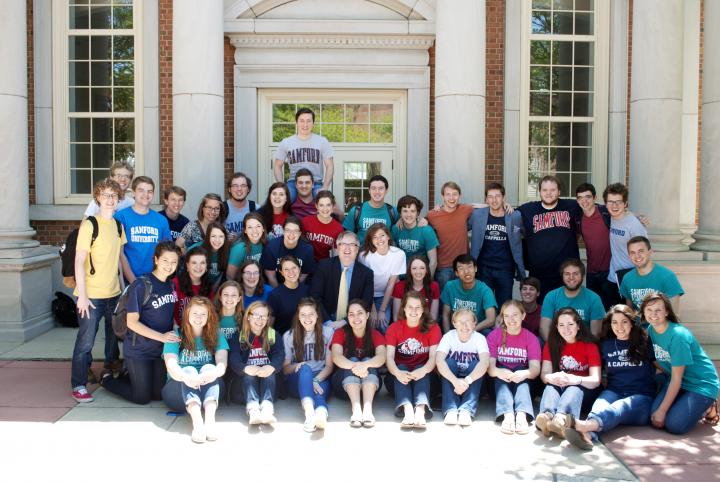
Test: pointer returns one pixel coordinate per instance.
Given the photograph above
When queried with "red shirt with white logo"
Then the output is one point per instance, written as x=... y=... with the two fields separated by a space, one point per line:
x=576 y=358
x=412 y=348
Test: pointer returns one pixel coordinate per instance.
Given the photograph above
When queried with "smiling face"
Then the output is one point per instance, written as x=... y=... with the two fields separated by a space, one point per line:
x=572 y=278
x=324 y=207
x=278 y=198
x=413 y=311
x=357 y=318
x=211 y=210
x=656 y=314
x=568 y=328
x=466 y=272
x=250 y=276
x=108 y=199
x=305 y=125
x=308 y=317
x=639 y=254
x=621 y=326
x=347 y=249
x=380 y=240
x=229 y=298
x=254 y=230
x=304 y=185
x=549 y=193
x=166 y=264
x=123 y=177
x=198 y=318
x=239 y=189
x=513 y=318
x=418 y=270
x=451 y=197
x=615 y=205
x=409 y=215
x=217 y=239
x=258 y=320
x=377 y=192
x=529 y=294
x=495 y=199
x=143 y=194
x=196 y=266
x=174 y=204
x=585 y=199
x=464 y=323
x=290 y=272
x=291 y=235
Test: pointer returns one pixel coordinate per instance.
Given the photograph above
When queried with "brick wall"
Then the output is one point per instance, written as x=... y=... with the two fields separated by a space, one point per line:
x=431 y=154
x=229 y=63
x=700 y=89
x=31 y=100
x=629 y=88
x=495 y=89
x=165 y=93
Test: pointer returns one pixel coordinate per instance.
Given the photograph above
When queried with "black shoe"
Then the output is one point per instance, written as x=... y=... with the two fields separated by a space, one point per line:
x=91 y=378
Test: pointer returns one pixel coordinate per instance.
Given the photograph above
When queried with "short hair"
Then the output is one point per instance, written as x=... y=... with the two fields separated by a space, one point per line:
x=407 y=201
x=381 y=178
x=303 y=171
x=304 y=110
x=586 y=186
x=107 y=183
x=292 y=220
x=572 y=262
x=325 y=194
x=639 y=239
x=237 y=175
x=463 y=259
x=550 y=179
x=142 y=179
x=177 y=190
x=348 y=234
x=122 y=165
x=616 y=188
x=531 y=281
x=451 y=185
x=494 y=186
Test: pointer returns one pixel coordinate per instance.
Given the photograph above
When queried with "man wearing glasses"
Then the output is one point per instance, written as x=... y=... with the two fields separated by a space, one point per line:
x=623 y=226
x=238 y=205
x=122 y=173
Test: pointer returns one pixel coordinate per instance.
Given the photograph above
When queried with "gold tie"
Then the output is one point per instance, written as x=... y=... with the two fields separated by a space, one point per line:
x=342 y=303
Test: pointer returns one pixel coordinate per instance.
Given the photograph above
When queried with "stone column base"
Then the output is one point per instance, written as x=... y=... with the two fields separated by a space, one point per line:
x=673 y=242
x=27 y=292
x=706 y=241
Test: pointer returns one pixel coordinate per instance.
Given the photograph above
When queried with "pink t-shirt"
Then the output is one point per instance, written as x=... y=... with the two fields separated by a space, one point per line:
x=517 y=351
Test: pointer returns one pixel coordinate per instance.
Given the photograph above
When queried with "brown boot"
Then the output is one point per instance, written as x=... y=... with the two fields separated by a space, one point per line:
x=542 y=421
x=559 y=423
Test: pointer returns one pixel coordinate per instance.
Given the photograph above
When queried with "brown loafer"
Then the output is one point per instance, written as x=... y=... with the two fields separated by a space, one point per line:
x=576 y=439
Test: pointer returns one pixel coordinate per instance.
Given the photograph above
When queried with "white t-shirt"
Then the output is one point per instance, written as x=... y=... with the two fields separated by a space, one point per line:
x=463 y=353
x=384 y=266
x=93 y=209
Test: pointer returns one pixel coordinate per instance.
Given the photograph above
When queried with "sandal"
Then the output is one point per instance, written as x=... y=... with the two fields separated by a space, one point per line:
x=521 y=426
x=368 y=421
x=408 y=421
x=577 y=439
x=356 y=421
x=712 y=417
x=508 y=426
x=542 y=421
x=560 y=423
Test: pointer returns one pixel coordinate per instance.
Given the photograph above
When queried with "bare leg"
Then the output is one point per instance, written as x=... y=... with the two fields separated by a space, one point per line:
x=198 y=431
x=210 y=409
x=353 y=391
x=368 y=393
x=587 y=426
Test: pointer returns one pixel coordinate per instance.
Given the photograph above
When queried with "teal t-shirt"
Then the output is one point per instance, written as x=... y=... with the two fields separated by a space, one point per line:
x=196 y=358
x=678 y=347
x=587 y=303
x=415 y=241
x=228 y=326
x=479 y=298
x=635 y=287
x=368 y=216
x=213 y=270
x=238 y=253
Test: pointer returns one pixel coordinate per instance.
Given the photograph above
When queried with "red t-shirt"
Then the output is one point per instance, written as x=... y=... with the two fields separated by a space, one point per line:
x=412 y=348
x=339 y=339
x=399 y=291
x=257 y=356
x=532 y=321
x=278 y=223
x=576 y=358
x=597 y=242
x=321 y=236
x=182 y=301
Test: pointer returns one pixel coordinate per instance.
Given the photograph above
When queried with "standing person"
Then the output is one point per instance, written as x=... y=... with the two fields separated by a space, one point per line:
x=411 y=345
x=529 y=292
x=174 y=200
x=290 y=243
x=194 y=280
x=358 y=351
x=628 y=361
x=648 y=277
x=196 y=362
x=574 y=295
x=97 y=286
x=514 y=361
x=411 y=238
x=321 y=229
x=211 y=209
x=462 y=359
x=340 y=279
x=305 y=150
x=304 y=204
x=387 y=263
x=550 y=235
x=451 y=225
x=149 y=326
x=275 y=210
x=496 y=244
x=122 y=173
x=570 y=370
x=692 y=383
x=144 y=228
x=250 y=245
x=470 y=293
x=253 y=282
x=376 y=210
x=623 y=226
x=217 y=245
x=285 y=297
x=308 y=363
x=237 y=205
x=419 y=280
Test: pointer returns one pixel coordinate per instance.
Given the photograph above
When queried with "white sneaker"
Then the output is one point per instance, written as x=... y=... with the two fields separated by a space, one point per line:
x=451 y=417
x=321 y=417
x=254 y=417
x=309 y=425
x=464 y=418
x=267 y=415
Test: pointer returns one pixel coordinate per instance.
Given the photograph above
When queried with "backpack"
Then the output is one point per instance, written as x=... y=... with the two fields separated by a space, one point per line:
x=119 y=318
x=67 y=251
x=64 y=311
x=358 y=212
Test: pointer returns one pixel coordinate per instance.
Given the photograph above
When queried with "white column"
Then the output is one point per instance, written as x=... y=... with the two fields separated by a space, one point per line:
x=617 y=100
x=708 y=234
x=460 y=96
x=656 y=118
x=511 y=123
x=198 y=128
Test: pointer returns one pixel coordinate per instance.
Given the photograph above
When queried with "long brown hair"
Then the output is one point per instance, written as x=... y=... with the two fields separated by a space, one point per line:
x=505 y=306
x=298 y=332
x=671 y=316
x=556 y=343
x=368 y=246
x=427 y=280
x=266 y=210
x=244 y=237
x=238 y=308
x=425 y=321
x=259 y=289
x=637 y=351
x=223 y=254
x=184 y=280
x=210 y=330
x=349 y=347
x=246 y=331
x=214 y=197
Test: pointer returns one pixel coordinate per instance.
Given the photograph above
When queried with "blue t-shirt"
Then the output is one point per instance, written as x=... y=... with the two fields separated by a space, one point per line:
x=263 y=297
x=143 y=232
x=196 y=358
x=415 y=241
x=156 y=314
x=495 y=252
x=587 y=303
x=368 y=216
x=624 y=377
x=635 y=287
x=477 y=299
x=283 y=301
x=176 y=225
x=276 y=249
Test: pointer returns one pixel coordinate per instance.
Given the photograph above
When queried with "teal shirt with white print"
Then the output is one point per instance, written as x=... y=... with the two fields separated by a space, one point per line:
x=415 y=241
x=228 y=326
x=196 y=358
x=368 y=216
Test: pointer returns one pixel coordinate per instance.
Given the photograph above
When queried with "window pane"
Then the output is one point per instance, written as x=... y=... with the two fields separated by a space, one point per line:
x=539 y=78
x=80 y=182
x=562 y=4
x=564 y=181
x=79 y=17
x=333 y=132
x=583 y=78
x=99 y=175
x=79 y=130
x=124 y=130
x=357 y=133
x=78 y=74
x=79 y=155
x=313 y=107
x=281 y=131
x=122 y=17
x=101 y=45
x=123 y=47
x=542 y=4
x=123 y=73
x=583 y=24
x=541 y=22
x=381 y=113
x=99 y=17
x=560 y=134
x=563 y=23
x=560 y=159
x=381 y=133
x=333 y=113
x=583 y=4
x=561 y=104
x=581 y=134
x=583 y=53
x=356 y=113
x=79 y=100
x=125 y=152
x=539 y=103
x=283 y=112
x=102 y=130
x=539 y=134
x=101 y=99
x=124 y=100
x=583 y=105
x=539 y=52
x=577 y=179
x=101 y=75
x=562 y=53
x=102 y=155
x=562 y=78
x=580 y=159
x=538 y=158
x=78 y=47
x=100 y=2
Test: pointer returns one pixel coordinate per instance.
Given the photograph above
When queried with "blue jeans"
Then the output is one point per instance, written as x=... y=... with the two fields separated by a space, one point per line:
x=566 y=400
x=612 y=409
x=685 y=411
x=500 y=282
x=258 y=390
x=300 y=385
x=144 y=382
x=469 y=399
x=388 y=314
x=82 y=353
x=513 y=397
x=443 y=275
x=317 y=185
x=416 y=392
x=176 y=395
x=209 y=392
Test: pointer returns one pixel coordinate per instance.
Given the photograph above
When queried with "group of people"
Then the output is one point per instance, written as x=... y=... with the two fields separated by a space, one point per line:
x=251 y=302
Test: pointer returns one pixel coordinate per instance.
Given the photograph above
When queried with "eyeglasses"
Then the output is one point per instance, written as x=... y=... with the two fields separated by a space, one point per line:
x=252 y=274
x=108 y=196
x=259 y=317
x=239 y=186
x=615 y=203
x=215 y=210
x=291 y=231
x=122 y=176
x=348 y=245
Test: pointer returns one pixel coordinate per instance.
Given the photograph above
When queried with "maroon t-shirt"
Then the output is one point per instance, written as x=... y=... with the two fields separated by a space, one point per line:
x=321 y=236
x=532 y=321
x=597 y=242
x=301 y=209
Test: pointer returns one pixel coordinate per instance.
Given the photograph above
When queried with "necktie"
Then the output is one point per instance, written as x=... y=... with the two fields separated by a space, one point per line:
x=342 y=303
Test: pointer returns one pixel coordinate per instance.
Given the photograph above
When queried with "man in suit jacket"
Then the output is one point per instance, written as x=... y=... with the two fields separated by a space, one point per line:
x=326 y=280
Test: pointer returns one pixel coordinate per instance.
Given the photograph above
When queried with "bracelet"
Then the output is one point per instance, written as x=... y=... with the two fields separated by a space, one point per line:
x=316 y=380
x=469 y=380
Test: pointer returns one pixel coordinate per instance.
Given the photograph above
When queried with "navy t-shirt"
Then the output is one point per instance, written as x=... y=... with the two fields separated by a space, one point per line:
x=157 y=314
x=495 y=251
x=275 y=250
x=283 y=302
x=550 y=235
x=624 y=377
x=176 y=225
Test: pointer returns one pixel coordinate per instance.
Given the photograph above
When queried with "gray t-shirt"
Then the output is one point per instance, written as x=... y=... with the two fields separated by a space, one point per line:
x=621 y=230
x=310 y=154
x=315 y=365
x=235 y=218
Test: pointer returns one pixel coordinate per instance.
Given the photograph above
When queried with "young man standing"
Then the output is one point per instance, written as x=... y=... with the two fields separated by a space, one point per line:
x=376 y=210
x=623 y=227
x=469 y=293
x=412 y=238
x=144 y=227
x=174 y=200
x=573 y=295
x=97 y=285
x=122 y=173
x=237 y=204
x=648 y=277
x=304 y=204
x=307 y=150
